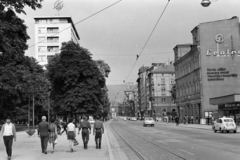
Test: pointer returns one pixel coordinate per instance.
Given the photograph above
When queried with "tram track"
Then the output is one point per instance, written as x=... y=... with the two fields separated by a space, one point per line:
x=177 y=154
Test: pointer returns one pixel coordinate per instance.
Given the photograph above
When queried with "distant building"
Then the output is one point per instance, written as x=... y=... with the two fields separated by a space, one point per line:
x=160 y=80
x=207 y=77
x=50 y=32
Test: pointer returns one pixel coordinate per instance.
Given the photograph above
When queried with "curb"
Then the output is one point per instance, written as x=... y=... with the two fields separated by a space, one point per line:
x=111 y=156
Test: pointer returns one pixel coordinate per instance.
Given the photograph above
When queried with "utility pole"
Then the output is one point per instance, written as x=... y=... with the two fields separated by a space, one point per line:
x=33 y=113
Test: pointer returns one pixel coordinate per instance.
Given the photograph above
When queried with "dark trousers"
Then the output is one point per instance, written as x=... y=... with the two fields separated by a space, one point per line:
x=85 y=136
x=98 y=137
x=8 y=141
x=44 y=142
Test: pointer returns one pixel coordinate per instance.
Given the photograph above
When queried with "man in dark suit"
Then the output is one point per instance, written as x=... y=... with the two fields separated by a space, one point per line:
x=98 y=130
x=86 y=130
x=43 y=134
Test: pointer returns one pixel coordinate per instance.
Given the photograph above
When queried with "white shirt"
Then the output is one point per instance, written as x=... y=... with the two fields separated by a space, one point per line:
x=8 y=130
x=71 y=127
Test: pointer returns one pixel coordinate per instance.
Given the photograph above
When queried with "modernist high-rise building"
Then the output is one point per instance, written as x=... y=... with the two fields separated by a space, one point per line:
x=50 y=32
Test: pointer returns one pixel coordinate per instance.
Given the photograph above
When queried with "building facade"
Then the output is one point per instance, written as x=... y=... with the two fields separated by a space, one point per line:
x=209 y=70
x=50 y=32
x=141 y=82
x=161 y=79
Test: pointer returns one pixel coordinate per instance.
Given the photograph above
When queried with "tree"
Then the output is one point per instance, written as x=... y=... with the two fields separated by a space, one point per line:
x=16 y=70
x=76 y=81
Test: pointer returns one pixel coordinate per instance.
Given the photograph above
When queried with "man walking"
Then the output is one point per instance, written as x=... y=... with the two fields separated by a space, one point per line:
x=43 y=134
x=8 y=132
x=86 y=130
x=98 y=130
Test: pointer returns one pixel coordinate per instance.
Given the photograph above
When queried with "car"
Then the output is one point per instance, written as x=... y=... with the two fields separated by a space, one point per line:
x=91 y=120
x=124 y=118
x=225 y=124
x=148 y=121
x=134 y=119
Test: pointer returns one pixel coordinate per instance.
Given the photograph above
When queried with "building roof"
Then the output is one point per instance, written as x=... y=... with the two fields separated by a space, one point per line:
x=164 y=69
x=59 y=17
x=142 y=69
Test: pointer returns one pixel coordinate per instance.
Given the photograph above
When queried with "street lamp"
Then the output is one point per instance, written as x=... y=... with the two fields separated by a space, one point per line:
x=206 y=3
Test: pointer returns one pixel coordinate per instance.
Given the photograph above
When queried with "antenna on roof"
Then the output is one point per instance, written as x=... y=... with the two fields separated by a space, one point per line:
x=58 y=5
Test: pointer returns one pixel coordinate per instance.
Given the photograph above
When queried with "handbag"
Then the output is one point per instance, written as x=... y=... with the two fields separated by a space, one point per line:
x=75 y=142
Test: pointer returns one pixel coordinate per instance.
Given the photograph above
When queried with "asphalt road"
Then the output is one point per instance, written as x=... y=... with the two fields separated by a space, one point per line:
x=182 y=143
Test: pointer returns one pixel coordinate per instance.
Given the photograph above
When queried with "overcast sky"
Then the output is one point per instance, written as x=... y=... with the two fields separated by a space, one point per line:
x=119 y=33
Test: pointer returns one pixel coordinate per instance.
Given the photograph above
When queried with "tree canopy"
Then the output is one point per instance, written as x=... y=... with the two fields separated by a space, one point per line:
x=77 y=82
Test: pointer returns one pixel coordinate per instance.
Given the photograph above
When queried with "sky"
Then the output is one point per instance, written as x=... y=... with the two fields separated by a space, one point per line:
x=117 y=35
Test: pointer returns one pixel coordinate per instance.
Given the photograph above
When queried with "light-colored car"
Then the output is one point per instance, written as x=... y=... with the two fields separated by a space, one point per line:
x=148 y=121
x=91 y=120
x=134 y=119
x=124 y=118
x=225 y=124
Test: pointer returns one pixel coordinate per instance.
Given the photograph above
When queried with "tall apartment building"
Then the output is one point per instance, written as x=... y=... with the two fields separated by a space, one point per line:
x=161 y=79
x=50 y=32
x=207 y=77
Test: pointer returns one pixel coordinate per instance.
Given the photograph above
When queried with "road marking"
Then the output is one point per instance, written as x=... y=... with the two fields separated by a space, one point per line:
x=186 y=151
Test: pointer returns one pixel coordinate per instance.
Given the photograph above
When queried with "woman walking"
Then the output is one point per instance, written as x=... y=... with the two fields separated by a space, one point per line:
x=52 y=134
x=71 y=133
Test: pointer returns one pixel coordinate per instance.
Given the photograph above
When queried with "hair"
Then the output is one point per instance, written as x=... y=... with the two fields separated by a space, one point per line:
x=52 y=120
x=44 y=117
x=84 y=118
x=97 y=117
x=70 y=120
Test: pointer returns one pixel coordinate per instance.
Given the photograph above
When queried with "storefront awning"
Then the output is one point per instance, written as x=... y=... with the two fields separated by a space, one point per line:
x=232 y=98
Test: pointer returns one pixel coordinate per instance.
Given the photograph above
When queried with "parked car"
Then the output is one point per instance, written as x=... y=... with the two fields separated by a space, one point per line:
x=134 y=119
x=124 y=118
x=148 y=121
x=225 y=124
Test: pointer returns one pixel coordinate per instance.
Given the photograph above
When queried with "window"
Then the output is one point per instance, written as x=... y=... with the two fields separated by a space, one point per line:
x=52 y=39
x=172 y=81
x=41 y=21
x=163 y=100
x=163 y=94
x=41 y=30
x=41 y=49
x=52 y=48
x=55 y=20
x=41 y=40
x=53 y=30
x=42 y=58
x=162 y=80
x=163 y=89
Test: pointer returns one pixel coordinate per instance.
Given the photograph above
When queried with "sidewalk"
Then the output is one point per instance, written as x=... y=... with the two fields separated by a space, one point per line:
x=29 y=148
x=196 y=126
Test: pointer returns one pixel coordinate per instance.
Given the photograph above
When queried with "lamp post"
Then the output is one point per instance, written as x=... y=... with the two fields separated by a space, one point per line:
x=206 y=3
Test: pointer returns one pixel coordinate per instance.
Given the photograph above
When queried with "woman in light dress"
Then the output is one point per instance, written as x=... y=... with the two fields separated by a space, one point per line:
x=71 y=133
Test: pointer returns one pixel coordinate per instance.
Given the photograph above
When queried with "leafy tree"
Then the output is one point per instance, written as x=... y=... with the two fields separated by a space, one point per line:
x=19 y=74
x=76 y=81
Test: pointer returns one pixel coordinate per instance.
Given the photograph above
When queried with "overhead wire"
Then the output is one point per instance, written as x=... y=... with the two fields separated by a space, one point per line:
x=78 y=22
x=146 y=42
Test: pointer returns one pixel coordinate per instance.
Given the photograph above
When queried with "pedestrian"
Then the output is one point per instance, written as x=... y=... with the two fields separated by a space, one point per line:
x=71 y=133
x=8 y=132
x=86 y=130
x=98 y=130
x=192 y=119
x=43 y=134
x=64 y=125
x=177 y=120
x=189 y=120
x=52 y=134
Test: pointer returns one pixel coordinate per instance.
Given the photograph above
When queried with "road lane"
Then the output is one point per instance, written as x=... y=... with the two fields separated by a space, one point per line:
x=204 y=144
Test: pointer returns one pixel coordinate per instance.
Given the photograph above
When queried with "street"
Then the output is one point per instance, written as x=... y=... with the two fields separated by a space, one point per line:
x=174 y=142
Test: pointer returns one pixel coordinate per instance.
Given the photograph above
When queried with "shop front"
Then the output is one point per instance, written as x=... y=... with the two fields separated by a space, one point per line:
x=228 y=106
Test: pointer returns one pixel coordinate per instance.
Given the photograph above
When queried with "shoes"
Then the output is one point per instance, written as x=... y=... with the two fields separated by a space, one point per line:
x=42 y=151
x=52 y=152
x=71 y=150
x=45 y=152
x=97 y=147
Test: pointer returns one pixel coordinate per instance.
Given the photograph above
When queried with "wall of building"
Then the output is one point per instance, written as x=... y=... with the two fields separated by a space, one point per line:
x=220 y=73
